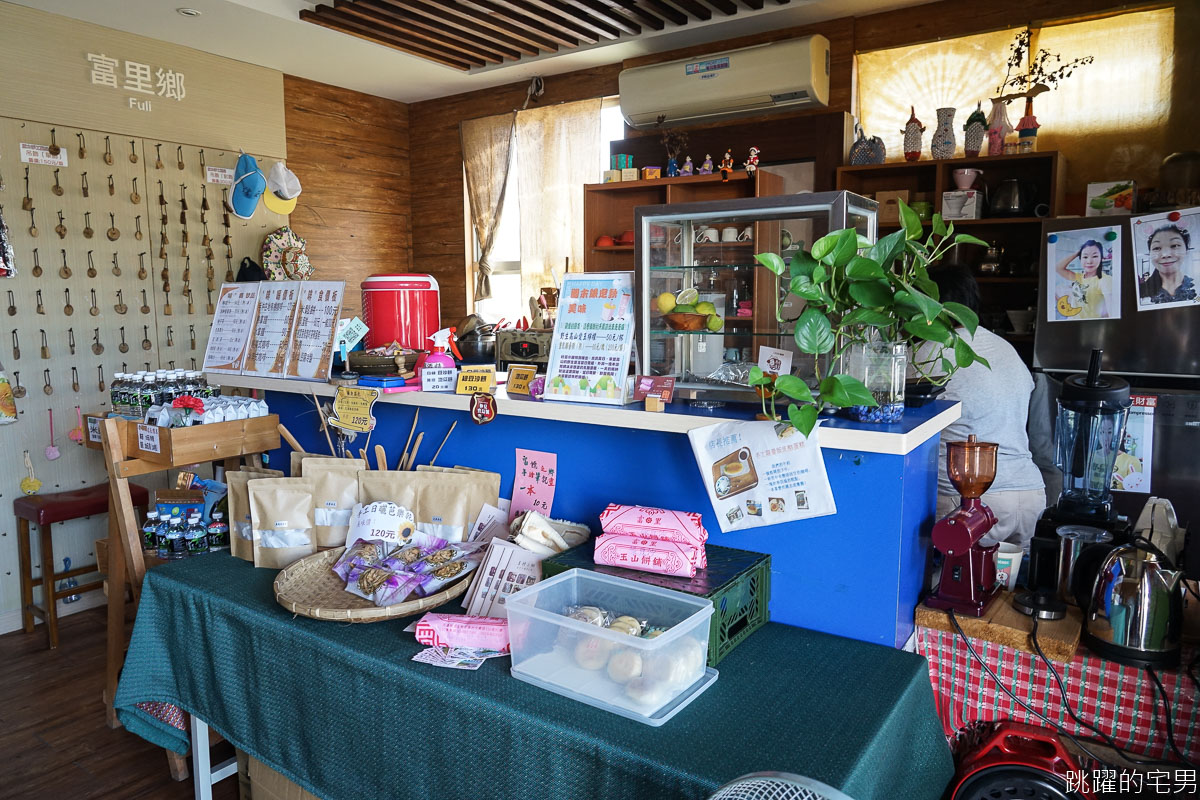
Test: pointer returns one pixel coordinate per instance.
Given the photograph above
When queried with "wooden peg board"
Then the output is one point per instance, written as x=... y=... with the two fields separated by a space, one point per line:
x=78 y=466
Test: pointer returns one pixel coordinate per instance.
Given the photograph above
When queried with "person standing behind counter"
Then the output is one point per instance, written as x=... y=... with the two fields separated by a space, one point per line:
x=995 y=407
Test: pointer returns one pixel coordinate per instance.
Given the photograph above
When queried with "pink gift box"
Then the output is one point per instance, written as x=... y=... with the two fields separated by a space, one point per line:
x=463 y=630
x=657 y=523
x=648 y=555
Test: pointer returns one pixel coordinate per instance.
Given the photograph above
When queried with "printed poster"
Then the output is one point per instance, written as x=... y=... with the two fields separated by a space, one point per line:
x=1132 y=466
x=533 y=483
x=593 y=339
x=232 y=321
x=267 y=351
x=312 y=333
x=1164 y=259
x=762 y=473
x=1083 y=274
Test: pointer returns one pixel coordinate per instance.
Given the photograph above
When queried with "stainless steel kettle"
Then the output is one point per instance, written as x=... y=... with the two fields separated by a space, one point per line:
x=1011 y=198
x=1135 y=611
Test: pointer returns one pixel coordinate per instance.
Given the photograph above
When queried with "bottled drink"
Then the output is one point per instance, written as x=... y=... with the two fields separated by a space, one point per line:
x=188 y=384
x=161 y=539
x=218 y=532
x=150 y=532
x=146 y=396
x=174 y=545
x=196 y=536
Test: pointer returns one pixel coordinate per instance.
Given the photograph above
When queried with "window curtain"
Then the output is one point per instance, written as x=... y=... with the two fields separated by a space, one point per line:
x=487 y=147
x=558 y=148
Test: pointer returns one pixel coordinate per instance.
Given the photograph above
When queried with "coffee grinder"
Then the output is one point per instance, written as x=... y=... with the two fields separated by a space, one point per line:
x=968 y=583
x=1088 y=430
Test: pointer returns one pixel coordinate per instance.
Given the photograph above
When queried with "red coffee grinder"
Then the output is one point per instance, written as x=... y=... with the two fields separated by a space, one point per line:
x=968 y=583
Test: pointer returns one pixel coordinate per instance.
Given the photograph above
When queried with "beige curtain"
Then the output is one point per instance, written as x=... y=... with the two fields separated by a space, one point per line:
x=487 y=155
x=558 y=148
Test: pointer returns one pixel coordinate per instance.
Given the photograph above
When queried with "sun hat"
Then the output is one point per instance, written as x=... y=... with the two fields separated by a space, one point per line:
x=248 y=185
x=283 y=187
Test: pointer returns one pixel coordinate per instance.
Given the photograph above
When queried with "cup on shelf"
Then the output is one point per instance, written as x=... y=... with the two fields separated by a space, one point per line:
x=923 y=209
x=1008 y=564
x=626 y=237
x=729 y=234
x=605 y=241
x=707 y=235
x=1021 y=319
x=747 y=234
x=965 y=178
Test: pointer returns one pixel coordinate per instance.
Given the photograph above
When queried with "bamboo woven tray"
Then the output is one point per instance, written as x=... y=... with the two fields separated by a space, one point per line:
x=310 y=588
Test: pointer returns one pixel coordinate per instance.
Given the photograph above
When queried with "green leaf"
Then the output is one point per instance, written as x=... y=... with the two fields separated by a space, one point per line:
x=887 y=249
x=802 y=264
x=794 y=388
x=962 y=315
x=939 y=225
x=803 y=418
x=820 y=274
x=772 y=261
x=963 y=354
x=858 y=393
x=875 y=294
x=868 y=316
x=966 y=238
x=802 y=286
x=863 y=269
x=947 y=367
x=931 y=331
x=864 y=243
x=910 y=221
x=929 y=307
x=824 y=246
x=758 y=377
x=846 y=249
x=814 y=334
x=923 y=282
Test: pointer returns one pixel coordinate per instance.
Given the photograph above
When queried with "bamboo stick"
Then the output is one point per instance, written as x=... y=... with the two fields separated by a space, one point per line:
x=324 y=425
x=443 y=444
x=289 y=438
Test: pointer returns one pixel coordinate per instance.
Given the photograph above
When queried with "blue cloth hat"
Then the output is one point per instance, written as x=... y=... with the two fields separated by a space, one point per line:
x=248 y=186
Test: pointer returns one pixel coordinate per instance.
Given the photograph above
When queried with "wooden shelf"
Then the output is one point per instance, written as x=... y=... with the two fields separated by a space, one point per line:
x=953 y=163
x=1006 y=279
x=682 y=180
x=616 y=248
x=975 y=223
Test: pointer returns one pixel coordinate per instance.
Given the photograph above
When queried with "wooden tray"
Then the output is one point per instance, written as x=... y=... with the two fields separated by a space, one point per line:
x=310 y=588
x=178 y=447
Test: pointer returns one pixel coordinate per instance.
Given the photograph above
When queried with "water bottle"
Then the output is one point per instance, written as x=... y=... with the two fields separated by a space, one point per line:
x=150 y=532
x=114 y=393
x=218 y=532
x=174 y=541
x=196 y=536
x=68 y=584
x=147 y=396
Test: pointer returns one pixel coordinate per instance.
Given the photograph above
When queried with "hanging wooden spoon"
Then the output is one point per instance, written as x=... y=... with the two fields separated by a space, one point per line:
x=123 y=347
x=162 y=200
x=91 y=270
x=18 y=390
x=146 y=345
x=97 y=348
x=141 y=266
x=108 y=156
x=158 y=164
x=187 y=270
x=74 y=380
x=191 y=303
x=83 y=180
x=95 y=309
x=57 y=187
x=133 y=156
x=87 y=225
x=45 y=345
x=64 y=271
x=205 y=240
x=167 y=307
x=137 y=227
x=16 y=347
x=191 y=337
x=183 y=197
x=211 y=308
x=229 y=270
x=12 y=304
x=27 y=201
x=32 y=223
x=53 y=149
x=134 y=197
x=68 y=309
x=120 y=307
x=71 y=340
x=170 y=337
x=145 y=305
x=82 y=146
x=47 y=389
x=116 y=270
x=41 y=309
x=100 y=371
x=204 y=197
x=179 y=155
x=37 y=265
x=113 y=233
x=112 y=187
x=60 y=228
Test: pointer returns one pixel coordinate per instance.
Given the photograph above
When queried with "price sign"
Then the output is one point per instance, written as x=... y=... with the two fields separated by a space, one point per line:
x=352 y=408
x=40 y=154
x=476 y=379
x=93 y=428
x=654 y=386
x=438 y=379
x=219 y=175
x=519 y=378
x=147 y=439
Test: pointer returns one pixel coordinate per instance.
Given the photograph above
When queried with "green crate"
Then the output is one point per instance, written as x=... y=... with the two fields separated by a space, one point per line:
x=738 y=582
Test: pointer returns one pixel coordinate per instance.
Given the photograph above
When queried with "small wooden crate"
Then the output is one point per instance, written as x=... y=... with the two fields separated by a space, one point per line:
x=177 y=447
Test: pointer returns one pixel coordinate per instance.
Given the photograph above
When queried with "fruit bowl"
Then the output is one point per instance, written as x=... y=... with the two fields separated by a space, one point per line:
x=686 y=322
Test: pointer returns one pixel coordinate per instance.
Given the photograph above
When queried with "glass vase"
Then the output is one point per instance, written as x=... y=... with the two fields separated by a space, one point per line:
x=881 y=367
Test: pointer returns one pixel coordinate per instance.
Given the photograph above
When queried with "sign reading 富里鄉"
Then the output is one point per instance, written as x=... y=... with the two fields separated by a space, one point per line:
x=593 y=339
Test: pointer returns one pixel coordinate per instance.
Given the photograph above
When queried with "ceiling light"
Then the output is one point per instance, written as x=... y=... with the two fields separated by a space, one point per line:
x=188 y=12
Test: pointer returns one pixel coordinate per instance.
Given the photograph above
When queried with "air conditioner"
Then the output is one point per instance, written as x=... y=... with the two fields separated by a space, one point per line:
x=789 y=75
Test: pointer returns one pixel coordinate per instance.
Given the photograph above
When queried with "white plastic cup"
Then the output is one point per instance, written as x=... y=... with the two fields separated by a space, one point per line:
x=1008 y=564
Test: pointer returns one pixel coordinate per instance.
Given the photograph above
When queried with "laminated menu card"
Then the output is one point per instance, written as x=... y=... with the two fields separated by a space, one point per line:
x=232 y=322
x=313 y=330
x=593 y=339
x=267 y=350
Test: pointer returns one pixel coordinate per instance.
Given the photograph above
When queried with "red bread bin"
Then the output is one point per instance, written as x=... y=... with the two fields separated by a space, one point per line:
x=405 y=308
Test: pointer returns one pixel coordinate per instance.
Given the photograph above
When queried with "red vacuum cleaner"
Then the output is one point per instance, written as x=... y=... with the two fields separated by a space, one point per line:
x=1019 y=760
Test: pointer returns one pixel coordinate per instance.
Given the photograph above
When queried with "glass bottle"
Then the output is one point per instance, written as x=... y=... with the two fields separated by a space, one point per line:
x=218 y=532
x=150 y=531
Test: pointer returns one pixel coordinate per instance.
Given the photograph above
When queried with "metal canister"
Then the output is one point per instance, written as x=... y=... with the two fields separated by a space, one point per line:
x=1073 y=540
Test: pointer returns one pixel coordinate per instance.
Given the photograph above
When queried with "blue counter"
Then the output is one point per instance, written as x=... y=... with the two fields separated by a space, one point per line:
x=857 y=573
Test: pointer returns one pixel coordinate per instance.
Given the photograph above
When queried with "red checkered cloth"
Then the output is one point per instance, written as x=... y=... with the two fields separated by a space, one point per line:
x=1120 y=700
x=165 y=712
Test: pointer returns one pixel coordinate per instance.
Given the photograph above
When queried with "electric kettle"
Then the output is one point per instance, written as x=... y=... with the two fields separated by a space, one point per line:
x=1012 y=198
x=1135 y=607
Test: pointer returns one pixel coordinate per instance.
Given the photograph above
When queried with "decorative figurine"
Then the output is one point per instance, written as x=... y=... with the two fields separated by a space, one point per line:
x=687 y=167
x=672 y=167
x=942 y=144
x=752 y=162
x=998 y=127
x=975 y=128
x=674 y=141
x=912 y=136
x=706 y=166
x=1027 y=129
x=726 y=166
x=867 y=151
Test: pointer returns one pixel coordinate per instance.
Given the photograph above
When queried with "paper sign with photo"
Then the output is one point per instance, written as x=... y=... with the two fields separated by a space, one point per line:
x=1133 y=464
x=1083 y=274
x=1165 y=265
x=775 y=360
x=762 y=473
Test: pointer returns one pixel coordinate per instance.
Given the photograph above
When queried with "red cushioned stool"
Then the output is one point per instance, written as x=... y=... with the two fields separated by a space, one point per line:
x=44 y=510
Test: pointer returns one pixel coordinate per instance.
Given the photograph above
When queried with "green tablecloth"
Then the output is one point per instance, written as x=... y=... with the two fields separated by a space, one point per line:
x=343 y=711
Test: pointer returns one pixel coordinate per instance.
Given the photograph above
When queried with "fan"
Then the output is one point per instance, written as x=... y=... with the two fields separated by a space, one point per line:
x=776 y=786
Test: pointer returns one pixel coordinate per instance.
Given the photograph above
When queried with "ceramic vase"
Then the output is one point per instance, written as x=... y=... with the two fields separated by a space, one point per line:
x=974 y=130
x=912 y=136
x=942 y=145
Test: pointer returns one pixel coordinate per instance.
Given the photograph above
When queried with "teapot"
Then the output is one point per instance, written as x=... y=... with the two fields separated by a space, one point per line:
x=1012 y=198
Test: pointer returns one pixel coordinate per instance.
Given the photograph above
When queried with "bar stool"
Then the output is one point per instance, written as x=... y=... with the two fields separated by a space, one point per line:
x=44 y=510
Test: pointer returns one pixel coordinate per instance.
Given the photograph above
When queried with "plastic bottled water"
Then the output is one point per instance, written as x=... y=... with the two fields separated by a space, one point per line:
x=150 y=532
x=218 y=532
x=196 y=536
x=173 y=544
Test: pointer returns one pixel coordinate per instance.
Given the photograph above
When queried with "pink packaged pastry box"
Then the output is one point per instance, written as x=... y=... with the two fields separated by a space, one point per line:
x=461 y=630
x=683 y=527
x=647 y=555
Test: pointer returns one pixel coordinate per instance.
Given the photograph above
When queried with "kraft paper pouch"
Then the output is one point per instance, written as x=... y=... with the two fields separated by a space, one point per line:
x=281 y=516
x=241 y=540
x=296 y=467
x=335 y=491
x=443 y=503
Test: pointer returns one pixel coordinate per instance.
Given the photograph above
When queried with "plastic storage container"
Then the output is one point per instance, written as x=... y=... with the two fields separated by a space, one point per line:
x=644 y=679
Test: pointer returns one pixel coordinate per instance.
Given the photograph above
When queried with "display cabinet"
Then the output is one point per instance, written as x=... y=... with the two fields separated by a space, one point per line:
x=705 y=306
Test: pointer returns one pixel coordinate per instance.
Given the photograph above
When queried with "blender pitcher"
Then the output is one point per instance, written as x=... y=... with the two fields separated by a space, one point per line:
x=1092 y=412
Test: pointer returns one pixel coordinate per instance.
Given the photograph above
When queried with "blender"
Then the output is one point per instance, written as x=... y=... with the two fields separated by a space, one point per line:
x=1092 y=410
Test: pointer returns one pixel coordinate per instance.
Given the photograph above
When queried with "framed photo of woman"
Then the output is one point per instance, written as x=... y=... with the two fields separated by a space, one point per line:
x=1083 y=274
x=1166 y=265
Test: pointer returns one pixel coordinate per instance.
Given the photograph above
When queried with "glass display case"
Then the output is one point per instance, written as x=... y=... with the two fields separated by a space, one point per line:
x=705 y=306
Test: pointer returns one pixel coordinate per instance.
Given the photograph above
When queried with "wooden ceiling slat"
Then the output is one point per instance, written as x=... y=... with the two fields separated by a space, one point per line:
x=400 y=37
x=577 y=18
x=547 y=21
x=606 y=12
x=505 y=13
x=409 y=29
x=697 y=10
x=480 y=23
x=668 y=12
x=317 y=17
x=422 y=28
x=726 y=7
x=633 y=8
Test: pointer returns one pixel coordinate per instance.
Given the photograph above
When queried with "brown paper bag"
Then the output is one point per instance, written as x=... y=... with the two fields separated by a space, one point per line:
x=296 y=468
x=241 y=539
x=444 y=504
x=281 y=516
x=335 y=491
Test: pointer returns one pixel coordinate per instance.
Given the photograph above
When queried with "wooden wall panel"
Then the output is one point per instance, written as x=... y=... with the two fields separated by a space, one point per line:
x=351 y=153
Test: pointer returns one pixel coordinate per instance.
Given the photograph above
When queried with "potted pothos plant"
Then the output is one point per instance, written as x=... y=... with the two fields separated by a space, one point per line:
x=856 y=292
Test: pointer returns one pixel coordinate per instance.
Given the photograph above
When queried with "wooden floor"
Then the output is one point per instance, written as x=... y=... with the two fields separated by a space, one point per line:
x=52 y=733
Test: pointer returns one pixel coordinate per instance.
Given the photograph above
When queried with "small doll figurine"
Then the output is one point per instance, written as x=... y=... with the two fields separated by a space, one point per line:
x=726 y=166
x=752 y=162
x=687 y=167
x=672 y=168
x=706 y=166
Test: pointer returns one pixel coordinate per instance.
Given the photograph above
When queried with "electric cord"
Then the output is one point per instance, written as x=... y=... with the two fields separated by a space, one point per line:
x=1170 y=723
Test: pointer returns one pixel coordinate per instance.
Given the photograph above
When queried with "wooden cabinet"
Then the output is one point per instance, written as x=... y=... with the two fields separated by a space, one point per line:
x=608 y=208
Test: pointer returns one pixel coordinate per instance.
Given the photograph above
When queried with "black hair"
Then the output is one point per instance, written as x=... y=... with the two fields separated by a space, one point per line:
x=1154 y=284
x=956 y=284
x=1093 y=243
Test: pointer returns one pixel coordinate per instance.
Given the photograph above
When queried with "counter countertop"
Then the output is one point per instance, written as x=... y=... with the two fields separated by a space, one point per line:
x=917 y=426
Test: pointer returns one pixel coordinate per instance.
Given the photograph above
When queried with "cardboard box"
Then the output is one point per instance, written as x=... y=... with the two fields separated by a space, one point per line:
x=629 y=174
x=962 y=205
x=651 y=173
x=612 y=176
x=889 y=209
x=267 y=784
x=1110 y=198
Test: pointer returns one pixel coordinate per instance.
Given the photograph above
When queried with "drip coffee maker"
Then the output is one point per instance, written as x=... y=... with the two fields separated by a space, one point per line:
x=968 y=583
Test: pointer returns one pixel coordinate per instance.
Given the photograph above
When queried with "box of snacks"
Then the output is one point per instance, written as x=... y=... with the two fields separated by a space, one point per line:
x=632 y=649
